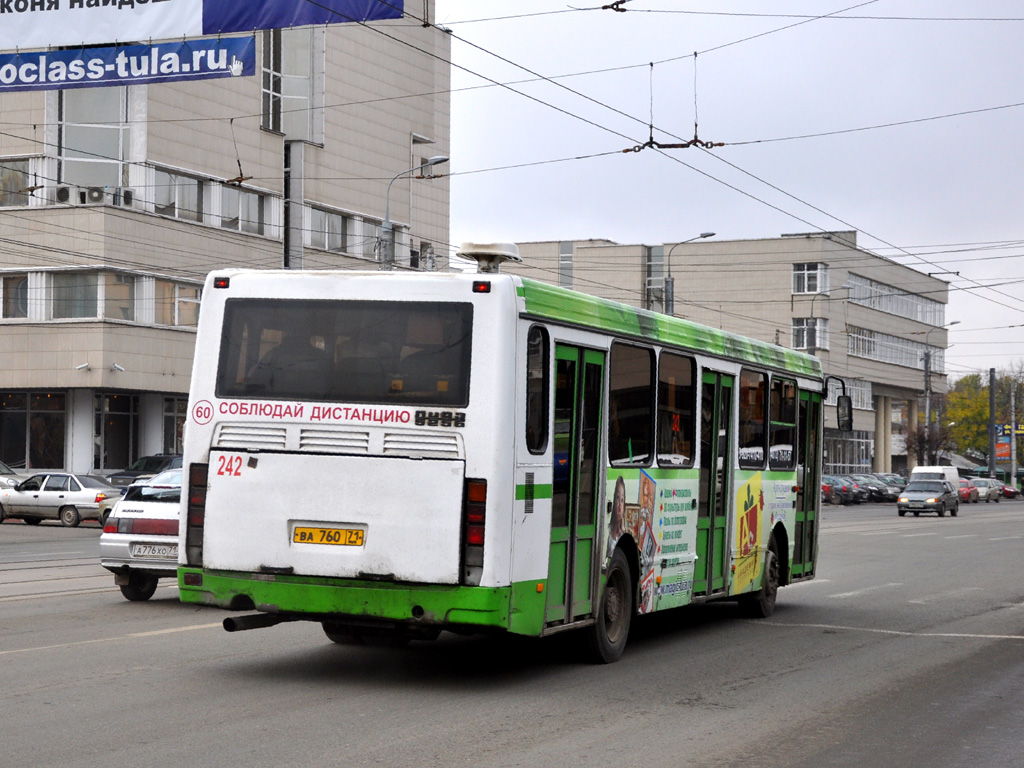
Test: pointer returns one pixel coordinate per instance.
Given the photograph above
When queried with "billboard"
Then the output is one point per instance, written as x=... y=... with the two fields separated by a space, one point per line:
x=128 y=65
x=28 y=24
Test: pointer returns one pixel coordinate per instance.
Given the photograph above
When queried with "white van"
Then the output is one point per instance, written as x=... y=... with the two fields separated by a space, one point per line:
x=949 y=474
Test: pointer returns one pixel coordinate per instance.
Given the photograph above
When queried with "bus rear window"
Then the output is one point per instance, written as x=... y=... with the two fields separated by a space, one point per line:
x=415 y=353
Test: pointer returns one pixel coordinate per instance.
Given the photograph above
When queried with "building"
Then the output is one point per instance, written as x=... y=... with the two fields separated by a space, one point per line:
x=874 y=323
x=115 y=202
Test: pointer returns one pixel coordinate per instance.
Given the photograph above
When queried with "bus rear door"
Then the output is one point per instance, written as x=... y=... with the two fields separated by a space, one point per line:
x=715 y=477
x=578 y=391
x=809 y=482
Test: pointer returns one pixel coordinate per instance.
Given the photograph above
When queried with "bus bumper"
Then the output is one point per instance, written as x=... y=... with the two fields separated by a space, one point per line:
x=323 y=598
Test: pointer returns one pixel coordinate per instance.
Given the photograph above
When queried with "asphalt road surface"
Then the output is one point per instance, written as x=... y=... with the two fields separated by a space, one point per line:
x=907 y=650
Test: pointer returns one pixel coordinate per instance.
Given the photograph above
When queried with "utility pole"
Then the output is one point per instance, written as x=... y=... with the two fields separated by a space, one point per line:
x=928 y=406
x=1013 y=432
x=991 y=422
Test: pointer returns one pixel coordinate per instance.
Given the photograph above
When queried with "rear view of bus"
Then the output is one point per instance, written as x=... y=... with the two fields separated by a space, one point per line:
x=340 y=451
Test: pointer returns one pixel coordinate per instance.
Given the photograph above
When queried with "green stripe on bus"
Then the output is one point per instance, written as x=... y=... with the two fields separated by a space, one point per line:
x=518 y=608
x=539 y=492
x=548 y=301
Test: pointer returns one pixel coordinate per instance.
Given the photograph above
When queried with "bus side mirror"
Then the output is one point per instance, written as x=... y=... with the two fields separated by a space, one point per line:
x=844 y=412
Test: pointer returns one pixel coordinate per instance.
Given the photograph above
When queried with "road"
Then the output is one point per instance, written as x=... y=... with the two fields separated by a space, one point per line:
x=908 y=650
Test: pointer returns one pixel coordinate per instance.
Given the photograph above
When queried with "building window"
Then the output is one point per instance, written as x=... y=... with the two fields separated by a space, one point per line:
x=175 y=411
x=565 y=265
x=14 y=183
x=328 y=230
x=117 y=431
x=753 y=417
x=119 y=297
x=176 y=303
x=677 y=413
x=886 y=298
x=846 y=452
x=293 y=75
x=75 y=295
x=32 y=428
x=15 y=296
x=631 y=405
x=810 y=333
x=872 y=345
x=859 y=391
x=177 y=196
x=241 y=210
x=811 y=277
x=93 y=136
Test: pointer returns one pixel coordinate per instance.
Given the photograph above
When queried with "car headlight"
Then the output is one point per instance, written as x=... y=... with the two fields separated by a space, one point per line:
x=903 y=500
x=932 y=501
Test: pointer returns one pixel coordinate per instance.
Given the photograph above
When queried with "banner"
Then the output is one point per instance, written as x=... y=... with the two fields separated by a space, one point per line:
x=29 y=24
x=129 y=65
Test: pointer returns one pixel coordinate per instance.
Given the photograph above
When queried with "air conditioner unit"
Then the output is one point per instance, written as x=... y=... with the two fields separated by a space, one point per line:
x=95 y=195
x=125 y=197
x=66 y=194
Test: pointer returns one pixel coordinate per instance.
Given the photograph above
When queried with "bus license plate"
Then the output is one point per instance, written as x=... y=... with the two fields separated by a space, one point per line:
x=339 y=537
x=168 y=551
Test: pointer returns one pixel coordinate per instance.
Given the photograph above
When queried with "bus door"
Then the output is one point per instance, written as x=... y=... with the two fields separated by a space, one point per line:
x=579 y=386
x=715 y=477
x=809 y=484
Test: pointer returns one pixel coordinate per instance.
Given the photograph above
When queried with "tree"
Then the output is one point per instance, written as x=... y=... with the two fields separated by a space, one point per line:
x=926 y=444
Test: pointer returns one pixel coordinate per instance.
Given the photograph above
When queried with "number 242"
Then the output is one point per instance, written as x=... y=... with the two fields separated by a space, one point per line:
x=229 y=465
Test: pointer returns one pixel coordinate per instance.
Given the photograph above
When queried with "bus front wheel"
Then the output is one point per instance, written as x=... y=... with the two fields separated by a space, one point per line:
x=607 y=636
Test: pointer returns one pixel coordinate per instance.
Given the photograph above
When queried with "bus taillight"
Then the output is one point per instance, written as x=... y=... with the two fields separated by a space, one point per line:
x=475 y=520
x=195 y=513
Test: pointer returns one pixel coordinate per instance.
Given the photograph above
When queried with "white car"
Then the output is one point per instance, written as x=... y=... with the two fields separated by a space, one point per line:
x=988 y=489
x=139 y=543
x=60 y=496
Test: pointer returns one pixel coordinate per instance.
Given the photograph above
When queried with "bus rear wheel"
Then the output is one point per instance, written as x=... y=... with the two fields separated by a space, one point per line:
x=607 y=636
x=761 y=604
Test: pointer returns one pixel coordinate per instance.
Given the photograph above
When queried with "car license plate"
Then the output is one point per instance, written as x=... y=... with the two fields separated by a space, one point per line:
x=165 y=551
x=339 y=537
x=916 y=504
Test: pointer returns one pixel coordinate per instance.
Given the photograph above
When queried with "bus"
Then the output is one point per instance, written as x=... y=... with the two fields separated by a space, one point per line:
x=393 y=454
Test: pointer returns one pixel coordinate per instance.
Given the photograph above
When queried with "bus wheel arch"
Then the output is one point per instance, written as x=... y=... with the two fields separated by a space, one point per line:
x=616 y=606
x=782 y=552
x=761 y=604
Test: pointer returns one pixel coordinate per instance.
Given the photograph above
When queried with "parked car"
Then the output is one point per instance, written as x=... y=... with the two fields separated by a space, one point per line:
x=967 y=492
x=858 y=494
x=897 y=481
x=62 y=496
x=1009 y=492
x=108 y=504
x=139 y=543
x=989 y=489
x=877 y=489
x=838 y=491
x=8 y=477
x=928 y=496
x=144 y=468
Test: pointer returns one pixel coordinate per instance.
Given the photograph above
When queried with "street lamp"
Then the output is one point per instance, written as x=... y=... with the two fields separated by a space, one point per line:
x=387 y=232
x=670 y=286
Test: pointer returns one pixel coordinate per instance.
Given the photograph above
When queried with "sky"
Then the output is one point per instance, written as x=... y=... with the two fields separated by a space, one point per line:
x=900 y=119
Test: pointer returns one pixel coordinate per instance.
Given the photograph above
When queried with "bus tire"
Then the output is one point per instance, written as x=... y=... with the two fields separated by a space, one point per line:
x=761 y=604
x=607 y=636
x=140 y=587
x=339 y=633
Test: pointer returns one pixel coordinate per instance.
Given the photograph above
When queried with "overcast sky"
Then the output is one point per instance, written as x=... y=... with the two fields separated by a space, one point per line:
x=939 y=188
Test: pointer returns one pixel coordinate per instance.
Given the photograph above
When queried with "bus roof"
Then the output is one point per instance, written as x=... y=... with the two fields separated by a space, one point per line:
x=560 y=304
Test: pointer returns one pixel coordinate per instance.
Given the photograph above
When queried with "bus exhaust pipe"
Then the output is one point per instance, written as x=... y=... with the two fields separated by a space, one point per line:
x=252 y=621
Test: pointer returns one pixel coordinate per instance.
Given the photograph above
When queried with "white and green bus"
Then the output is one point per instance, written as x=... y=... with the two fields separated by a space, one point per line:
x=395 y=454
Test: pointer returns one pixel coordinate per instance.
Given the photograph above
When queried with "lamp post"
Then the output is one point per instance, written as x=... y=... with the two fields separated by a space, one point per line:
x=670 y=286
x=387 y=232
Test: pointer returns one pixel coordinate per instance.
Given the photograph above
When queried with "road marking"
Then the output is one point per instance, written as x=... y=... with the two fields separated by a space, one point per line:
x=915 y=535
x=1006 y=538
x=963 y=536
x=944 y=595
x=129 y=636
x=858 y=592
x=93 y=591
x=808 y=583
x=895 y=632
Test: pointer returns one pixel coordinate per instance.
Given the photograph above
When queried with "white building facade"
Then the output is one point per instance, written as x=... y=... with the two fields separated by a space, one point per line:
x=115 y=203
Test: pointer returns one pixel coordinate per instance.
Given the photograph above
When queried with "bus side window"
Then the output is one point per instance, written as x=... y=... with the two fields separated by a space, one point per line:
x=782 y=437
x=537 y=385
x=753 y=413
x=631 y=406
x=676 y=410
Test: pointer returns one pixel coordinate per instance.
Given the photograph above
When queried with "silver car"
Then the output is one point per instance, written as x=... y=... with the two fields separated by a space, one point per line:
x=8 y=477
x=63 y=496
x=139 y=543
